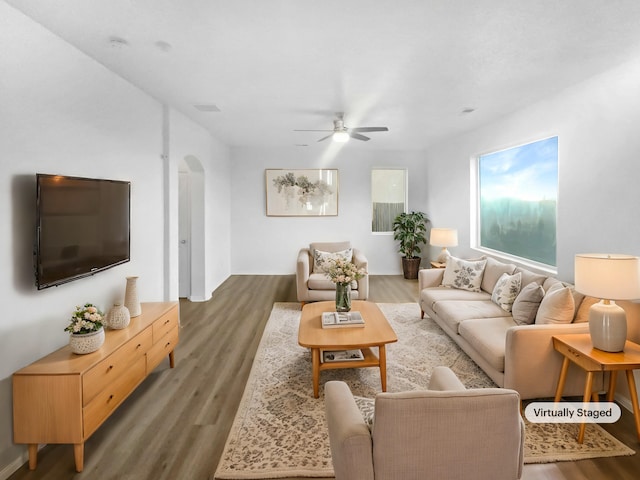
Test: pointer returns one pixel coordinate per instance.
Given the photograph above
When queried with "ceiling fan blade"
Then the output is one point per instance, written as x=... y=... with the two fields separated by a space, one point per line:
x=313 y=130
x=369 y=129
x=328 y=136
x=357 y=136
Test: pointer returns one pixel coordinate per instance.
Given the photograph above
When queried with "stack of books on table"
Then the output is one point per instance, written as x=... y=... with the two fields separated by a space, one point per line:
x=341 y=356
x=342 y=319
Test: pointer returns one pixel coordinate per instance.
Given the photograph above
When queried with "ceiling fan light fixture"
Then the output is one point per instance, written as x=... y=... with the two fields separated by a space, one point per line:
x=341 y=136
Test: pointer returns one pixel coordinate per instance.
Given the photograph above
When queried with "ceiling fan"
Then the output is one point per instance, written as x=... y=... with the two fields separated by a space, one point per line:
x=342 y=133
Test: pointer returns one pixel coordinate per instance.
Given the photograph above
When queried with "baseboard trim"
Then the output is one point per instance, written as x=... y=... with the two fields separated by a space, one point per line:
x=13 y=467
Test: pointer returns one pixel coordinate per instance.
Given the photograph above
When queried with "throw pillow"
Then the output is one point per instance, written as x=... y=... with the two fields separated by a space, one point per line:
x=463 y=274
x=557 y=306
x=321 y=259
x=525 y=307
x=506 y=290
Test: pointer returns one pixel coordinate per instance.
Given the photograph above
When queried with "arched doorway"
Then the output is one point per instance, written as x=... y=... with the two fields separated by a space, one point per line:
x=191 y=231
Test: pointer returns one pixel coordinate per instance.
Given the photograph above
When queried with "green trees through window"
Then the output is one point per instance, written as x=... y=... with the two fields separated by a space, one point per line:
x=518 y=191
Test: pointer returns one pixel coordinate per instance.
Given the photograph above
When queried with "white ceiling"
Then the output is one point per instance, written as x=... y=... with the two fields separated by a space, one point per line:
x=272 y=66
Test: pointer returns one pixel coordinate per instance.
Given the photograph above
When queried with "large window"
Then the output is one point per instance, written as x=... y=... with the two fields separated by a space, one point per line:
x=517 y=201
x=388 y=197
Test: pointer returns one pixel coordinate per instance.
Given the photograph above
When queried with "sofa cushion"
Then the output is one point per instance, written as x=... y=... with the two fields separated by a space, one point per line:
x=453 y=312
x=488 y=338
x=321 y=258
x=430 y=296
x=506 y=290
x=582 y=313
x=319 y=281
x=528 y=276
x=493 y=271
x=557 y=306
x=463 y=274
x=525 y=307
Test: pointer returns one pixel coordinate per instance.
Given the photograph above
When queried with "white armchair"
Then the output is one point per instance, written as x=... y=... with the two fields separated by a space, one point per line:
x=313 y=285
x=446 y=432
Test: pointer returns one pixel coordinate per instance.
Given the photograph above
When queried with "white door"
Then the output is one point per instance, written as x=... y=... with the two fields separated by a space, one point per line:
x=184 y=236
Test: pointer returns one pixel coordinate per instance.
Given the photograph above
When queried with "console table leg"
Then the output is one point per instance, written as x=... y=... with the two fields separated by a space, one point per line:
x=33 y=456
x=78 y=455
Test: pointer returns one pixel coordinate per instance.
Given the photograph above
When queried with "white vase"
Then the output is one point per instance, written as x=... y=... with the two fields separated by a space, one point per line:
x=118 y=317
x=82 y=343
x=131 y=300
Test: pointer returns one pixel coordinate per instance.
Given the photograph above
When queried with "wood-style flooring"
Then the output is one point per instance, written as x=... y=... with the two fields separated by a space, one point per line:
x=174 y=426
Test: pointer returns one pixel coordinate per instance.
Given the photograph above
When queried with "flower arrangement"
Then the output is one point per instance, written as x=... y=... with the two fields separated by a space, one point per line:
x=343 y=272
x=85 y=319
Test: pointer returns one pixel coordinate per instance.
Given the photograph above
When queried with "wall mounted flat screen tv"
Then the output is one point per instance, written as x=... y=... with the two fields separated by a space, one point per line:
x=82 y=227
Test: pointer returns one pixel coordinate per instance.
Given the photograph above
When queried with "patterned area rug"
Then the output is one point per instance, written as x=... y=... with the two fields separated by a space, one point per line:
x=280 y=430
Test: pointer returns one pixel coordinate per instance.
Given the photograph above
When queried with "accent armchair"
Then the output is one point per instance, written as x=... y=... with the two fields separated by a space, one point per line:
x=446 y=432
x=313 y=285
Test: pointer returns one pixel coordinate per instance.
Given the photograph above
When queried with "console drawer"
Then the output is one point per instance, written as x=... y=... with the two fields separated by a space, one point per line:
x=164 y=325
x=108 y=399
x=115 y=365
x=162 y=349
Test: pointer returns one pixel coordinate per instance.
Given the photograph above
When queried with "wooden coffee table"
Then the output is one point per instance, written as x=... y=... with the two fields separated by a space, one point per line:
x=376 y=333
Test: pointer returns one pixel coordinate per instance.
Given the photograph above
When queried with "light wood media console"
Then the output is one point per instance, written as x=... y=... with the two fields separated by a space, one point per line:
x=64 y=397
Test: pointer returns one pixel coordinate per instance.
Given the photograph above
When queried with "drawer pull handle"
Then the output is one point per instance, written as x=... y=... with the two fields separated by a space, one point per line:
x=167 y=321
x=138 y=346
x=110 y=398
x=168 y=343
x=110 y=368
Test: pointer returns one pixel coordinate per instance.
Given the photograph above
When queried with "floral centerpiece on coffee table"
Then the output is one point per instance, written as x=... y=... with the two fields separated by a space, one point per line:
x=342 y=272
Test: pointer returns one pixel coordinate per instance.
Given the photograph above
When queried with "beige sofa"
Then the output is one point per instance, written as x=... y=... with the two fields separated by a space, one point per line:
x=516 y=356
x=445 y=432
x=313 y=285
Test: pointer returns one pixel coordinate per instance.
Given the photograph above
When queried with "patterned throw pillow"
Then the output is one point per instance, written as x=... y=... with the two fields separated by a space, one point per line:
x=321 y=258
x=506 y=290
x=463 y=274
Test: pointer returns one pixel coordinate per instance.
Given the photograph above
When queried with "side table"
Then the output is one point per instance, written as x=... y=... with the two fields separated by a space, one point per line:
x=438 y=265
x=577 y=348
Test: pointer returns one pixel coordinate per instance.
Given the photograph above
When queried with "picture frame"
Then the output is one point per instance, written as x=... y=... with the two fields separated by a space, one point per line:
x=301 y=192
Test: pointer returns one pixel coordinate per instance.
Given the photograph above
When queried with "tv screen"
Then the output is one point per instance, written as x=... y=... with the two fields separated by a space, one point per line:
x=82 y=227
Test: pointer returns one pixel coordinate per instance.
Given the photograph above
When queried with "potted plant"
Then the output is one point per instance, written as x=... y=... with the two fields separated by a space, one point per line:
x=410 y=230
x=86 y=329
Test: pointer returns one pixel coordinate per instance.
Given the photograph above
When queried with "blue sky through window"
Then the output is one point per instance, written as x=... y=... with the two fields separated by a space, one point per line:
x=518 y=200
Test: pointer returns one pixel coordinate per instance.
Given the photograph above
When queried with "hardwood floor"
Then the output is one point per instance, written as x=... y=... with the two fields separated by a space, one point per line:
x=174 y=426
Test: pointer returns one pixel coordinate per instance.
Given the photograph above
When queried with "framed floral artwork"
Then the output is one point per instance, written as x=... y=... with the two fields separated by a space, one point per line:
x=301 y=193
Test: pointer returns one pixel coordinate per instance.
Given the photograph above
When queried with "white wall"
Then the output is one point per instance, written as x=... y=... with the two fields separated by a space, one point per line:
x=61 y=112
x=269 y=245
x=190 y=140
x=597 y=126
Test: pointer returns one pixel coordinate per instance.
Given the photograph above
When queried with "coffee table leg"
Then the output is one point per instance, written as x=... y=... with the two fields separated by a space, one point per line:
x=315 y=362
x=382 y=357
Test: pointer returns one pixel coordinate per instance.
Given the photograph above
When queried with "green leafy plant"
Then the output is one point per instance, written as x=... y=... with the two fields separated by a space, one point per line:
x=410 y=230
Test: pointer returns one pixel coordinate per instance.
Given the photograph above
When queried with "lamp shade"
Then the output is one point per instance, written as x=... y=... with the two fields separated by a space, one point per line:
x=608 y=276
x=443 y=237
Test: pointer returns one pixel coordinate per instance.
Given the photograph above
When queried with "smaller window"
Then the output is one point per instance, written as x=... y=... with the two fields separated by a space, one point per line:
x=388 y=197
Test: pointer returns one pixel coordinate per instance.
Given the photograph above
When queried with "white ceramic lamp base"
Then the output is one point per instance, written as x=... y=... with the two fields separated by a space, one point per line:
x=608 y=326
x=444 y=255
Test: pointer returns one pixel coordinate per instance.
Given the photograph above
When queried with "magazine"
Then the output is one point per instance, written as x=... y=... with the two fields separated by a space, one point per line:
x=342 y=319
x=341 y=356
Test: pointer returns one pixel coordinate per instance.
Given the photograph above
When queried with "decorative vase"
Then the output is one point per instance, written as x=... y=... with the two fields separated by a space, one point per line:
x=343 y=297
x=82 y=343
x=118 y=317
x=131 y=297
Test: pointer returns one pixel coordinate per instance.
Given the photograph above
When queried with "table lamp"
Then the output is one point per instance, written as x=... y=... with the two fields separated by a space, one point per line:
x=609 y=277
x=443 y=237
